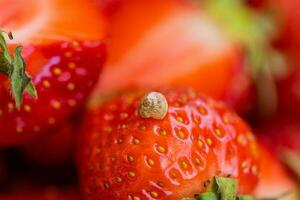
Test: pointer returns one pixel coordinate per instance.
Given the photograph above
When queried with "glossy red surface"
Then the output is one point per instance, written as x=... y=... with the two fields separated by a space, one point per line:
x=64 y=74
x=123 y=156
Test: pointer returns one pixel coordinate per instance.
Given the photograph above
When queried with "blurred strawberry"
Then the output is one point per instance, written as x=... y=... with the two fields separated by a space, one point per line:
x=288 y=13
x=63 y=70
x=54 y=148
x=35 y=21
x=289 y=92
x=275 y=181
x=175 y=43
x=282 y=136
x=280 y=133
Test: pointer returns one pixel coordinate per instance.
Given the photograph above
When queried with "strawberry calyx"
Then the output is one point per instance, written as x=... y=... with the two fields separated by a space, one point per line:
x=254 y=31
x=15 y=69
x=221 y=188
x=225 y=188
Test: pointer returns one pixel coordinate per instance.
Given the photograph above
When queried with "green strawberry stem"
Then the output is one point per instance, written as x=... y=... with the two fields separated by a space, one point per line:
x=14 y=69
x=221 y=188
x=224 y=188
x=254 y=32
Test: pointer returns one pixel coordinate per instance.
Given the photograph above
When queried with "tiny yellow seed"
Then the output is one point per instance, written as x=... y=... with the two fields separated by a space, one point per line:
x=209 y=141
x=131 y=174
x=161 y=149
x=184 y=165
x=136 y=198
x=57 y=71
x=150 y=162
x=154 y=194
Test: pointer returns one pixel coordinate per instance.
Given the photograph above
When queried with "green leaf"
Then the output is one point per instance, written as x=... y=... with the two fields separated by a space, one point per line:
x=225 y=187
x=3 y=46
x=5 y=66
x=244 y=197
x=207 y=196
x=30 y=89
x=14 y=69
x=19 y=78
x=254 y=31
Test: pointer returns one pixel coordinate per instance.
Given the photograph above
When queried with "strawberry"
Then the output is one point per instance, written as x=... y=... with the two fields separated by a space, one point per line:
x=176 y=43
x=41 y=150
x=64 y=74
x=64 y=57
x=282 y=135
x=288 y=14
x=275 y=180
x=281 y=132
x=288 y=91
x=163 y=146
x=179 y=44
x=35 y=21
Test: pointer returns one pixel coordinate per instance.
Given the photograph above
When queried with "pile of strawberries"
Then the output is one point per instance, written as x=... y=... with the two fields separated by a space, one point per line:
x=160 y=99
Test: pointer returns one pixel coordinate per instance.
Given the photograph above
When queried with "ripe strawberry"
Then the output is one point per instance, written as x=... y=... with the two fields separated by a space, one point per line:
x=274 y=179
x=281 y=132
x=172 y=42
x=35 y=21
x=64 y=57
x=288 y=91
x=123 y=155
x=54 y=148
x=288 y=14
x=64 y=74
x=282 y=135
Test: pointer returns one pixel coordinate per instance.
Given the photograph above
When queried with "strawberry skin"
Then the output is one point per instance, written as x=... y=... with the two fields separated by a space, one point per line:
x=124 y=156
x=41 y=150
x=274 y=179
x=281 y=132
x=288 y=91
x=171 y=43
x=64 y=74
x=36 y=21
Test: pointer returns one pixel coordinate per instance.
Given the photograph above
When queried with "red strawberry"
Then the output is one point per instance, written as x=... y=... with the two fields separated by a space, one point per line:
x=123 y=155
x=282 y=132
x=288 y=14
x=64 y=74
x=35 y=21
x=63 y=70
x=282 y=135
x=274 y=179
x=288 y=91
x=173 y=43
x=54 y=148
